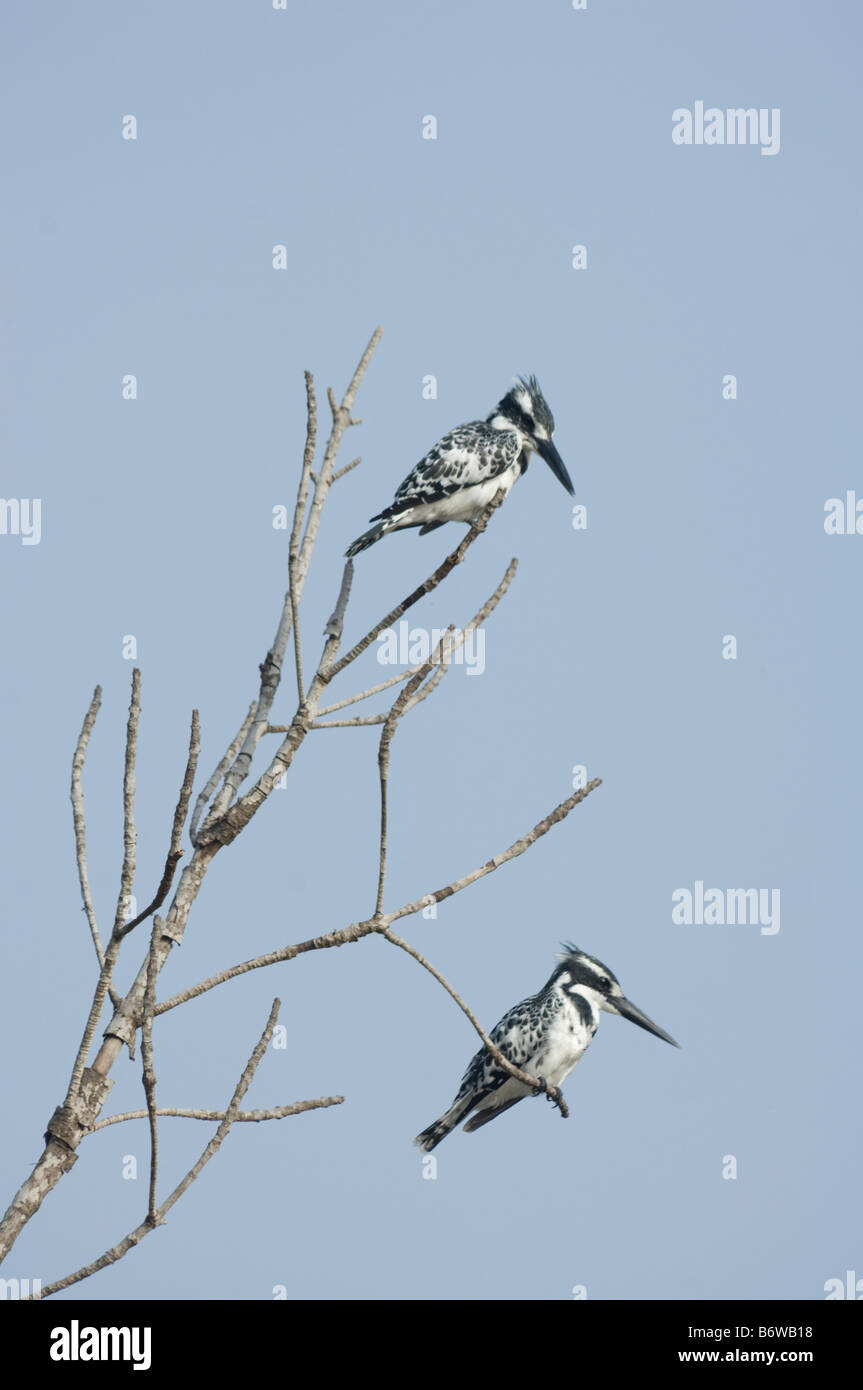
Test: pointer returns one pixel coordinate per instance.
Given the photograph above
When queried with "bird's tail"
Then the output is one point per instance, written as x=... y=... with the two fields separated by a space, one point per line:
x=491 y=1112
x=366 y=539
x=431 y=1137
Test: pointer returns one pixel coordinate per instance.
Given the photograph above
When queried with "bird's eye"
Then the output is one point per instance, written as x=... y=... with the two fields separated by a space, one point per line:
x=605 y=982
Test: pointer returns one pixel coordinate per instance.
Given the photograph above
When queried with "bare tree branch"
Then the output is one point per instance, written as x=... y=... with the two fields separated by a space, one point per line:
x=173 y=859
x=336 y=621
x=77 y=795
x=89 y=1086
x=454 y=558
x=366 y=720
x=299 y=517
x=130 y=835
x=357 y=930
x=220 y=813
x=182 y=808
x=363 y=720
x=397 y=710
x=233 y=749
x=127 y=876
x=175 y=854
x=518 y=847
x=340 y=473
x=363 y=695
x=277 y=1112
x=64 y=1125
x=308 y=449
x=149 y=1075
x=272 y=666
x=456 y=641
x=553 y=1092
x=116 y=1252
x=220 y=830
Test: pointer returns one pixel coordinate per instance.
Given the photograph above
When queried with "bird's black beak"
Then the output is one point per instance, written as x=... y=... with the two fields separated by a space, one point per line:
x=628 y=1010
x=555 y=463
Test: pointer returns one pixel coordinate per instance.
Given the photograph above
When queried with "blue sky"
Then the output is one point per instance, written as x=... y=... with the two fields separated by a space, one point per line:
x=705 y=518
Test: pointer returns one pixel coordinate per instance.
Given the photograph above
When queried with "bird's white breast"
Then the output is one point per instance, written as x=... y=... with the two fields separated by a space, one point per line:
x=564 y=1043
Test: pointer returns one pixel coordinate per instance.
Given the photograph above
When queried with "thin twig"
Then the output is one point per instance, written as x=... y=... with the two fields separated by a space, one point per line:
x=175 y=854
x=127 y=877
x=120 y=931
x=457 y=641
x=308 y=448
x=518 y=847
x=271 y=668
x=363 y=695
x=342 y=419
x=224 y=763
x=364 y=720
x=397 y=710
x=298 y=653
x=77 y=796
x=534 y=1082
x=336 y=620
x=173 y=859
x=340 y=473
x=454 y=558
x=130 y=835
x=116 y=1252
x=220 y=830
x=182 y=807
x=102 y=985
x=149 y=1075
x=424 y=691
x=299 y=517
x=277 y=1112
x=360 y=722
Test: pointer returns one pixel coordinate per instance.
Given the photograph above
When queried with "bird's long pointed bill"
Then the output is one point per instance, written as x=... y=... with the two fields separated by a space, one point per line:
x=556 y=464
x=628 y=1010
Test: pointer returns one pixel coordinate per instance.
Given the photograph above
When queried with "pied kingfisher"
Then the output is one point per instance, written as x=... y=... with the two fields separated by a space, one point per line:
x=464 y=470
x=545 y=1035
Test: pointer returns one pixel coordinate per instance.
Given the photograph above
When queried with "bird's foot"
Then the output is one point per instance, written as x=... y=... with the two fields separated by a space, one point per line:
x=555 y=1095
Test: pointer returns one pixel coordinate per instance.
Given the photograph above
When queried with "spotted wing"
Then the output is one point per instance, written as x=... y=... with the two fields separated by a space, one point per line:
x=466 y=456
x=519 y=1037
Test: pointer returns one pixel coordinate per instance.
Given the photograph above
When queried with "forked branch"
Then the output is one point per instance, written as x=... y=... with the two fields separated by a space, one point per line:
x=535 y=1083
x=155 y=1217
x=357 y=930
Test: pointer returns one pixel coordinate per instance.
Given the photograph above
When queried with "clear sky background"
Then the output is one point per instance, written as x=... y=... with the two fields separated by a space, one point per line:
x=705 y=518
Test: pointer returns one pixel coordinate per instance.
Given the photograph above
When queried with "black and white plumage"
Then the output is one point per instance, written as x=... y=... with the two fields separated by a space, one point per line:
x=545 y=1035
x=464 y=470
